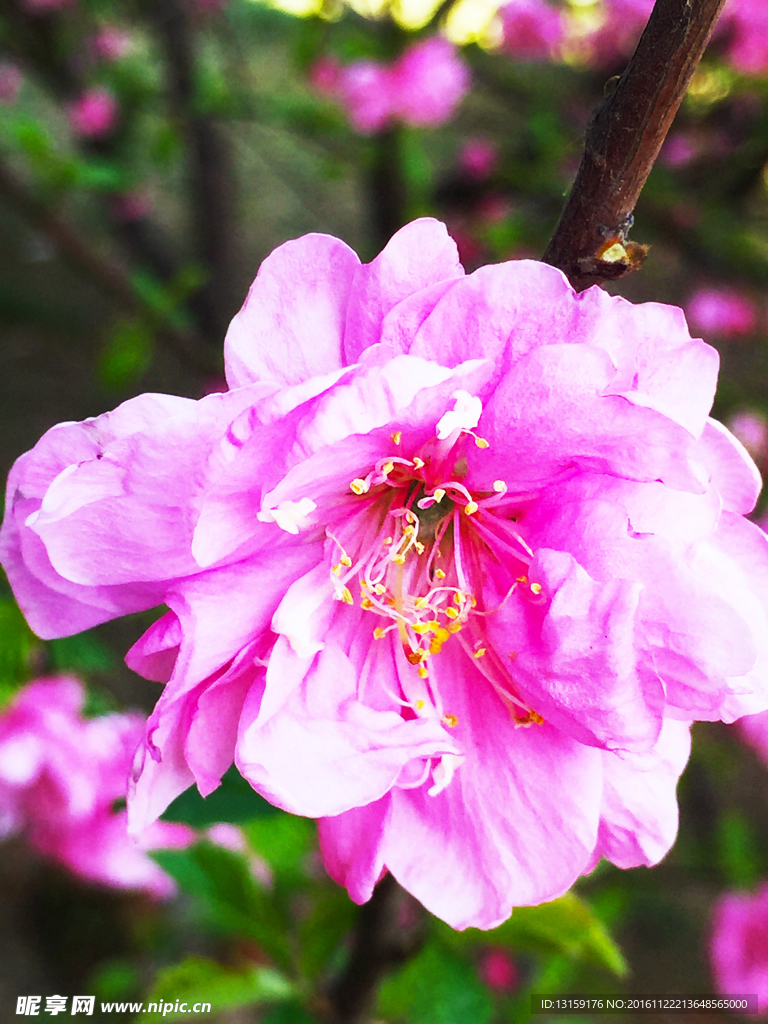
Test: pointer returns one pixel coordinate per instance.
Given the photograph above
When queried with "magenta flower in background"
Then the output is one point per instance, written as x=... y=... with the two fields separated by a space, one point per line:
x=498 y=971
x=751 y=428
x=617 y=36
x=423 y=87
x=746 y=23
x=739 y=945
x=60 y=775
x=478 y=158
x=95 y=114
x=109 y=44
x=450 y=567
x=532 y=29
x=723 y=312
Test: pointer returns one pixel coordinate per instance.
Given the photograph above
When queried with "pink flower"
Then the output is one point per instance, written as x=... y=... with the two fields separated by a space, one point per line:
x=44 y=6
x=60 y=774
x=109 y=44
x=680 y=149
x=478 y=158
x=11 y=78
x=533 y=29
x=746 y=23
x=449 y=567
x=751 y=428
x=94 y=115
x=422 y=88
x=498 y=971
x=128 y=206
x=739 y=945
x=721 y=311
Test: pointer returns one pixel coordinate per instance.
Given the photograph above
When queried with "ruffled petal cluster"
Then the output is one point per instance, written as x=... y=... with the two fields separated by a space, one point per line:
x=451 y=567
x=60 y=775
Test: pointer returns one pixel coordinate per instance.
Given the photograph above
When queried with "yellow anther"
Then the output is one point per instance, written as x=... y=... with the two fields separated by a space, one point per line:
x=434 y=625
x=421 y=602
x=418 y=706
x=480 y=652
x=454 y=627
x=380 y=588
x=435 y=647
x=530 y=718
x=416 y=657
x=440 y=574
x=359 y=486
x=417 y=462
x=458 y=598
x=363 y=585
x=535 y=588
x=499 y=486
x=470 y=508
x=481 y=442
x=423 y=671
x=439 y=494
x=473 y=601
x=450 y=720
x=387 y=468
x=397 y=437
x=522 y=579
x=420 y=627
x=441 y=635
x=346 y=596
x=386 y=542
x=419 y=547
x=336 y=570
x=398 y=559
x=408 y=530
x=346 y=560
x=366 y=603
x=379 y=633
x=451 y=613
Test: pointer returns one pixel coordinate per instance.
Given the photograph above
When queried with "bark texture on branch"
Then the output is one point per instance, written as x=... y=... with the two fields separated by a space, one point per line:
x=623 y=139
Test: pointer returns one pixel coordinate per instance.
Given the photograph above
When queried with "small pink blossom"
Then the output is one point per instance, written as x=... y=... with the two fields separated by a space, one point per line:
x=498 y=971
x=94 y=115
x=110 y=44
x=680 y=149
x=745 y=22
x=423 y=87
x=450 y=567
x=739 y=945
x=722 y=312
x=532 y=29
x=60 y=774
x=45 y=6
x=622 y=25
x=751 y=428
x=478 y=158
x=128 y=206
x=11 y=78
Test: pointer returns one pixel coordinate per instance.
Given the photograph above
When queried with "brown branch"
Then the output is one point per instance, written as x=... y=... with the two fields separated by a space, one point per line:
x=380 y=943
x=623 y=139
x=111 y=280
x=211 y=180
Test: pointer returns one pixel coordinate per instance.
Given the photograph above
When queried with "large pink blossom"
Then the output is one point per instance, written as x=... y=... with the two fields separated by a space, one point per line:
x=423 y=87
x=60 y=775
x=745 y=24
x=739 y=945
x=450 y=567
x=533 y=29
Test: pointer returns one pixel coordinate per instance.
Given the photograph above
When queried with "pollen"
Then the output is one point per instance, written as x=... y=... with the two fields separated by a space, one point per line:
x=481 y=442
x=398 y=559
x=422 y=670
x=454 y=627
x=418 y=463
x=346 y=596
x=387 y=468
x=470 y=508
x=440 y=574
x=419 y=705
x=422 y=602
x=359 y=486
x=439 y=494
x=450 y=720
x=420 y=627
x=346 y=560
x=451 y=613
x=499 y=486
x=379 y=633
x=480 y=652
x=397 y=437
x=536 y=588
x=336 y=570
x=522 y=579
x=366 y=603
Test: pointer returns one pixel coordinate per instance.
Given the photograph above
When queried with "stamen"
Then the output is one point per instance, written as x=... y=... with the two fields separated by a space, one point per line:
x=397 y=437
x=359 y=486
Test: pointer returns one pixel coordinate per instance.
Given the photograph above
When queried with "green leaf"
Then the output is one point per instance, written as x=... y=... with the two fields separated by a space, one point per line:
x=284 y=841
x=289 y=1013
x=436 y=987
x=199 y=980
x=17 y=644
x=229 y=895
x=83 y=652
x=127 y=354
x=233 y=801
x=333 y=915
x=739 y=852
x=568 y=926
